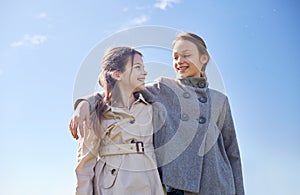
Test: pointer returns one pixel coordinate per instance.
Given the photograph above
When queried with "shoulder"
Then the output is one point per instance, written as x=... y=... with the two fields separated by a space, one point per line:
x=216 y=94
x=218 y=99
x=158 y=85
x=166 y=80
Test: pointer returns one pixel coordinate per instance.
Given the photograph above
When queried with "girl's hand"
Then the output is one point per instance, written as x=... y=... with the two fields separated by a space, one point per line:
x=80 y=117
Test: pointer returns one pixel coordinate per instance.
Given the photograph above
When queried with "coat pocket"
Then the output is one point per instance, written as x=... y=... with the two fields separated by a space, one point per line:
x=105 y=174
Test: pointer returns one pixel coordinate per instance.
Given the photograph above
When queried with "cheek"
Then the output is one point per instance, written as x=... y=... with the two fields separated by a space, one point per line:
x=174 y=64
x=195 y=62
x=195 y=65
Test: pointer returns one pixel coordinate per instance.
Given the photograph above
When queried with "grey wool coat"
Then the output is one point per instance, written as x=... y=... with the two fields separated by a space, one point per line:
x=194 y=137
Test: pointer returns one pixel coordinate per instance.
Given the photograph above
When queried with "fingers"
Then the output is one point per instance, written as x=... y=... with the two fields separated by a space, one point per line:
x=71 y=125
x=73 y=128
x=80 y=120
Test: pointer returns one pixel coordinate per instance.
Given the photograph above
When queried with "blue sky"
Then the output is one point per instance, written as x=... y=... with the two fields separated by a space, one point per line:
x=255 y=44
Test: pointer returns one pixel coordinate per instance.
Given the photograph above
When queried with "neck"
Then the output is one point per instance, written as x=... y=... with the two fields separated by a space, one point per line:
x=122 y=98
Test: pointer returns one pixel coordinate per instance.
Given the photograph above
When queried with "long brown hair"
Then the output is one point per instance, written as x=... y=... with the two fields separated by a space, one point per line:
x=114 y=59
x=198 y=41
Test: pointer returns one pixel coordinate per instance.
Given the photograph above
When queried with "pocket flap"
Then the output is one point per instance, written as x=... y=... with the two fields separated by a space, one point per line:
x=105 y=174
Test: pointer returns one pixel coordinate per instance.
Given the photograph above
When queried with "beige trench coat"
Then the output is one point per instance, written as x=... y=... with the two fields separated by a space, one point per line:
x=111 y=158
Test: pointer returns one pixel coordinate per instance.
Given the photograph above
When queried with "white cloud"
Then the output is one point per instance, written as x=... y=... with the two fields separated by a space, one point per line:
x=36 y=39
x=30 y=40
x=42 y=15
x=17 y=44
x=139 y=20
x=163 y=4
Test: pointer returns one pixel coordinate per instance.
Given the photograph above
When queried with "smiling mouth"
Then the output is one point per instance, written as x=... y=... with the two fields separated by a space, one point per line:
x=182 y=69
x=142 y=80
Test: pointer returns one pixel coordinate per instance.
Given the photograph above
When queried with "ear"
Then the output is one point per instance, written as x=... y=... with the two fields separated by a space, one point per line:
x=203 y=59
x=116 y=75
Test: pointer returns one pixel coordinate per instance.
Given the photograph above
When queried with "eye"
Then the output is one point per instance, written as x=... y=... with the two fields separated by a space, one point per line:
x=137 y=66
x=186 y=55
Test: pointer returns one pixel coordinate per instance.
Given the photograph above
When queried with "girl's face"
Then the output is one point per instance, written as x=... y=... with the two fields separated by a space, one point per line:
x=187 y=61
x=133 y=78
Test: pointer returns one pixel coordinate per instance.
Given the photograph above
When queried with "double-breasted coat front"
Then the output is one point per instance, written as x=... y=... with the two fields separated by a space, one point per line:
x=117 y=156
x=195 y=139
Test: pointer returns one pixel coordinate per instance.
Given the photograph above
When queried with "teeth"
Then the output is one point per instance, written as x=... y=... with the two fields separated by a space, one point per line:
x=182 y=68
x=179 y=67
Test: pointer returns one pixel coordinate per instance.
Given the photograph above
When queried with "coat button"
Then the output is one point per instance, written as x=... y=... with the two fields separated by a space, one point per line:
x=202 y=120
x=202 y=84
x=113 y=171
x=117 y=117
x=186 y=95
x=202 y=99
x=184 y=117
x=133 y=141
x=185 y=81
x=132 y=120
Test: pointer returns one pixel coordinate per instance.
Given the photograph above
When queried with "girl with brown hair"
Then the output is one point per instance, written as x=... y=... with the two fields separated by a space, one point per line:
x=116 y=156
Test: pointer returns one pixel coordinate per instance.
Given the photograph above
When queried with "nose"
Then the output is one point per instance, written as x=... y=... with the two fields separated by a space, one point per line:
x=180 y=60
x=145 y=72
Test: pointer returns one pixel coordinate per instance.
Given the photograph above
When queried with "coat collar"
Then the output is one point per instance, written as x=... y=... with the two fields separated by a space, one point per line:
x=198 y=82
x=138 y=98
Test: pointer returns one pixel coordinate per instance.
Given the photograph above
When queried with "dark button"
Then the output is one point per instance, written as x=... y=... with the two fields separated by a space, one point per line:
x=186 y=95
x=118 y=118
x=133 y=141
x=132 y=121
x=185 y=81
x=113 y=171
x=202 y=99
x=202 y=84
x=202 y=120
x=184 y=117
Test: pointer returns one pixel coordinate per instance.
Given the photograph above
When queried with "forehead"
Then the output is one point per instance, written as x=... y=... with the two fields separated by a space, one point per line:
x=184 y=46
x=137 y=58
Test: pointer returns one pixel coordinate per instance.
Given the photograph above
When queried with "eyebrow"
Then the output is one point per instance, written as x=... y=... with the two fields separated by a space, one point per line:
x=138 y=63
x=183 y=50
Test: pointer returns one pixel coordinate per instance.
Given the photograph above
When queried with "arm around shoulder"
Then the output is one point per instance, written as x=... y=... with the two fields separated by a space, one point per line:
x=91 y=99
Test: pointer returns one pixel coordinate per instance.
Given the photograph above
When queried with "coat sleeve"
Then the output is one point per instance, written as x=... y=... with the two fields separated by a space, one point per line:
x=231 y=147
x=87 y=154
x=91 y=99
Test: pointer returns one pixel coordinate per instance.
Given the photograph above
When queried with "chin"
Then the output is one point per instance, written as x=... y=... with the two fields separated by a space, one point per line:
x=181 y=75
x=142 y=87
